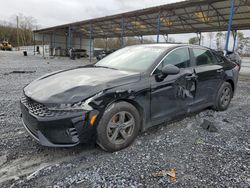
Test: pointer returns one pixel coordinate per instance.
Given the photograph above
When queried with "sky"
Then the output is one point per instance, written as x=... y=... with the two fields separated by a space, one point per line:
x=56 y=12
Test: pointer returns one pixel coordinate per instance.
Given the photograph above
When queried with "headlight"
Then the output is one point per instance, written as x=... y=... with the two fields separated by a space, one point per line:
x=79 y=106
x=67 y=107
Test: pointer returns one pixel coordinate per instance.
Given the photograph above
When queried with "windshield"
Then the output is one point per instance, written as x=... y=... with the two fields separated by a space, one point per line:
x=133 y=58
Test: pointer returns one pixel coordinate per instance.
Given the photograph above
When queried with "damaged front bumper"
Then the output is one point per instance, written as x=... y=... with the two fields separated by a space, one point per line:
x=65 y=129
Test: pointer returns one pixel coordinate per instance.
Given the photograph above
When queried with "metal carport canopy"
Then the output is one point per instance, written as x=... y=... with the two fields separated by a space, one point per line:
x=191 y=16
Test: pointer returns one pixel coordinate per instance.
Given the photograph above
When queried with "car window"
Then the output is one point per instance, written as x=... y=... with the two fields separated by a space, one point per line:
x=219 y=58
x=179 y=57
x=202 y=56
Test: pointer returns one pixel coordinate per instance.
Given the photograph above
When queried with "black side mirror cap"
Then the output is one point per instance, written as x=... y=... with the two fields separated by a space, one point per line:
x=167 y=70
x=170 y=70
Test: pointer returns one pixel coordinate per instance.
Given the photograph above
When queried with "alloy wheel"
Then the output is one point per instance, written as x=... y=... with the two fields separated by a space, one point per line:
x=120 y=127
x=225 y=97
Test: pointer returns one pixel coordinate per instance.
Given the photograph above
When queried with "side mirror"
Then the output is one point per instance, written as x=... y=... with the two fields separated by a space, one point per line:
x=170 y=70
x=167 y=70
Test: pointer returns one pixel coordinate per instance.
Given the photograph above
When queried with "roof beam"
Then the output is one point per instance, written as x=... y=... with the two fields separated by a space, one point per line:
x=212 y=15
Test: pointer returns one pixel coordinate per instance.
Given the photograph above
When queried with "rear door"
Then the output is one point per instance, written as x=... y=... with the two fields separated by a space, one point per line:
x=209 y=76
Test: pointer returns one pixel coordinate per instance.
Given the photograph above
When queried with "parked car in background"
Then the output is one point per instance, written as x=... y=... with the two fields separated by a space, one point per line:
x=128 y=91
x=104 y=53
x=77 y=53
x=6 y=46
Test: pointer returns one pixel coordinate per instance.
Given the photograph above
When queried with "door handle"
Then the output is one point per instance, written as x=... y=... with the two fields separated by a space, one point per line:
x=220 y=70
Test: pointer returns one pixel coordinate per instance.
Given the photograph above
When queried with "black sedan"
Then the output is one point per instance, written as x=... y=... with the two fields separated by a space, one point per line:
x=128 y=91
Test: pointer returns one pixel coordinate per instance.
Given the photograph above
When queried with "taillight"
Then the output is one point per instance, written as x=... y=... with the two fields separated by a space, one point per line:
x=237 y=67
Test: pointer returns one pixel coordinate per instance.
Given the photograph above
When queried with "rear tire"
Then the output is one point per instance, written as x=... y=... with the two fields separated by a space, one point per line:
x=224 y=97
x=118 y=127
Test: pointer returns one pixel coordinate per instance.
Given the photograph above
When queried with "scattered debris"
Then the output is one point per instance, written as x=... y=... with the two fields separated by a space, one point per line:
x=171 y=174
x=16 y=178
x=20 y=72
x=199 y=141
x=80 y=181
x=209 y=126
x=142 y=177
x=3 y=159
x=34 y=174
x=23 y=72
x=226 y=120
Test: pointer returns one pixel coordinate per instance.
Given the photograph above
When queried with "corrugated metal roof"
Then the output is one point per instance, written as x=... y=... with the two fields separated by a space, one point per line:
x=184 y=17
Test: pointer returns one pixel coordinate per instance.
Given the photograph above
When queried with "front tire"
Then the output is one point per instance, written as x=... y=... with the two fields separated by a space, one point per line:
x=118 y=127
x=224 y=97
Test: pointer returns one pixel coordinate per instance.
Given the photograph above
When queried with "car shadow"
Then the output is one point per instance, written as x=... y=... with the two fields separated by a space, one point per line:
x=157 y=128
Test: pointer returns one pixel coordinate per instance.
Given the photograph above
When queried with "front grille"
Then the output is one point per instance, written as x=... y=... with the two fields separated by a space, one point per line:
x=29 y=121
x=41 y=110
x=35 y=108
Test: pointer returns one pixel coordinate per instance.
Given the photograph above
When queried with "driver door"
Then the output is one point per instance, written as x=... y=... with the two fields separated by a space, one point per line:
x=171 y=96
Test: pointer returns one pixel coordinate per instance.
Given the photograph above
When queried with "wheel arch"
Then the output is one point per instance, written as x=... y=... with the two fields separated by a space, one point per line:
x=231 y=83
x=136 y=105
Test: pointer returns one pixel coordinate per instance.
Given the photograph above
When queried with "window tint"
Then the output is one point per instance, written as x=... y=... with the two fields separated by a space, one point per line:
x=202 y=56
x=220 y=58
x=179 y=58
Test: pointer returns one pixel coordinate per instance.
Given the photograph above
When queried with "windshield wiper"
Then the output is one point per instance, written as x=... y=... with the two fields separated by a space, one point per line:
x=106 y=67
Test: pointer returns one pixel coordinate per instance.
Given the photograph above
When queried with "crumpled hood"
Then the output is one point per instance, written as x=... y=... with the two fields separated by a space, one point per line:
x=70 y=86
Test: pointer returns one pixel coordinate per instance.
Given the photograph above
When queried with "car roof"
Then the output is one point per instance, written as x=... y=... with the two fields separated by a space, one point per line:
x=170 y=45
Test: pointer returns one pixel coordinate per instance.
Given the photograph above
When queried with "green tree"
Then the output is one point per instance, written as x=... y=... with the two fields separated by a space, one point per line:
x=115 y=43
x=171 y=40
x=210 y=36
x=243 y=43
x=194 y=40
x=8 y=30
x=112 y=43
x=219 y=37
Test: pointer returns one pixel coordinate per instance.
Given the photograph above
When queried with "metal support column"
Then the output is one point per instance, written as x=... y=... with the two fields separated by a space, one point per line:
x=106 y=46
x=230 y=22
x=158 y=27
x=122 y=33
x=81 y=42
x=199 y=36
x=54 y=40
x=69 y=38
x=43 y=46
x=166 y=38
x=34 y=42
x=51 y=41
x=235 y=38
x=51 y=45
x=90 y=42
x=141 y=39
x=66 y=41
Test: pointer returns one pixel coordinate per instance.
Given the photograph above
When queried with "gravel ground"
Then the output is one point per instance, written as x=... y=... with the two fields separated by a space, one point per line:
x=200 y=158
